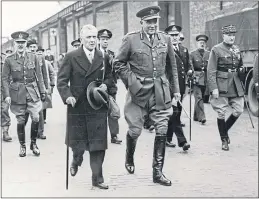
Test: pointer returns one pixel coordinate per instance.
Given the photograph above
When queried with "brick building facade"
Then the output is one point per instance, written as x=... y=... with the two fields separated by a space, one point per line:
x=120 y=18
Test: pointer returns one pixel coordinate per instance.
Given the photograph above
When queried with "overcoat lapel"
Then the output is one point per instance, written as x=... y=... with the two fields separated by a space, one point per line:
x=82 y=60
x=97 y=62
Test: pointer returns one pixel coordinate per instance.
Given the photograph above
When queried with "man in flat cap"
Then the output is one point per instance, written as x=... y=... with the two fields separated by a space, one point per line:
x=199 y=59
x=25 y=91
x=225 y=63
x=141 y=65
x=5 y=117
x=183 y=65
x=104 y=35
x=49 y=57
x=76 y=43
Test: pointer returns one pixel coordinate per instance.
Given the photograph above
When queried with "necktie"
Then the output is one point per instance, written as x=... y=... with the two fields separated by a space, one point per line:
x=201 y=52
x=151 y=39
x=176 y=49
x=90 y=57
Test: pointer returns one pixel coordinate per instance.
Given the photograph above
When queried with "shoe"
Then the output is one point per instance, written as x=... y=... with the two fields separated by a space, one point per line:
x=158 y=161
x=101 y=186
x=22 y=151
x=43 y=137
x=162 y=180
x=170 y=144
x=6 y=137
x=203 y=121
x=45 y=122
x=35 y=149
x=186 y=146
x=225 y=146
x=195 y=120
x=73 y=170
x=115 y=140
x=131 y=145
x=182 y=124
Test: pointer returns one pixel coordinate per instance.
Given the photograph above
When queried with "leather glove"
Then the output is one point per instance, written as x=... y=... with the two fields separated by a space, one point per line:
x=8 y=100
x=71 y=100
x=215 y=93
x=43 y=97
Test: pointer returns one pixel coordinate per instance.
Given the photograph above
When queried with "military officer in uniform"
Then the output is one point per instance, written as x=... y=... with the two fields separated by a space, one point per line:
x=5 y=117
x=104 y=35
x=182 y=61
x=141 y=65
x=225 y=63
x=76 y=43
x=33 y=47
x=183 y=65
x=199 y=59
x=25 y=91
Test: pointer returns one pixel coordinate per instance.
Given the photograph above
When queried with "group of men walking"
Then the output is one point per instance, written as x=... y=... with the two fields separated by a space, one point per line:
x=155 y=69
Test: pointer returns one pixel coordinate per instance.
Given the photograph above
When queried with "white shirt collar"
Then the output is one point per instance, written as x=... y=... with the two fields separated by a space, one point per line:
x=89 y=53
x=148 y=35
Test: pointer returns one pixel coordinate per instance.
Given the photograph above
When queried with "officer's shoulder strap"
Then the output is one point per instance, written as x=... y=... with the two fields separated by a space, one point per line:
x=131 y=33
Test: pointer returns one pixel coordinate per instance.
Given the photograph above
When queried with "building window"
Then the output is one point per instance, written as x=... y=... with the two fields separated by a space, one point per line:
x=223 y=4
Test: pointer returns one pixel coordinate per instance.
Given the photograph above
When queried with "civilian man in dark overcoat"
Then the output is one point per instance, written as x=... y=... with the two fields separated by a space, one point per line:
x=86 y=126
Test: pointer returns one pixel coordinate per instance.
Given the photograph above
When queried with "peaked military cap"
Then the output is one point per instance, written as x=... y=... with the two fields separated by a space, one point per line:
x=148 y=13
x=229 y=29
x=20 y=36
x=104 y=33
x=173 y=28
x=9 y=51
x=77 y=41
x=30 y=42
x=40 y=49
x=202 y=37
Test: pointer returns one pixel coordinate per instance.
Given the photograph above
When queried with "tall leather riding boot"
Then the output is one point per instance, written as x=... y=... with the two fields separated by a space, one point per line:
x=131 y=146
x=21 y=137
x=26 y=117
x=223 y=134
x=34 y=133
x=6 y=136
x=230 y=121
x=158 y=161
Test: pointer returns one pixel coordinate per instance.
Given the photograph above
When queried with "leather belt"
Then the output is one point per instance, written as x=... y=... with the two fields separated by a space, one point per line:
x=28 y=80
x=227 y=70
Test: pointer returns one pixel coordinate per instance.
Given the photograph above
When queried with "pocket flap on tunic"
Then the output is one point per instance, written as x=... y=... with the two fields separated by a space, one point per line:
x=14 y=87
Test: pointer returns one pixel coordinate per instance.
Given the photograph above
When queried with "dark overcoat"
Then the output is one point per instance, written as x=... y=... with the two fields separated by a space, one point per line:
x=86 y=127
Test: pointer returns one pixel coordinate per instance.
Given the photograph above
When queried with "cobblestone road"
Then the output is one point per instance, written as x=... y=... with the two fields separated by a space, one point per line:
x=205 y=171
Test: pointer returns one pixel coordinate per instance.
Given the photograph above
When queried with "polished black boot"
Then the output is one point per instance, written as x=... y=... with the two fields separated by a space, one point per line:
x=229 y=123
x=223 y=134
x=158 y=161
x=34 y=133
x=21 y=137
x=6 y=136
x=131 y=145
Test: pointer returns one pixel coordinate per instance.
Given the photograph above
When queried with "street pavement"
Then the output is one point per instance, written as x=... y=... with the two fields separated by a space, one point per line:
x=204 y=171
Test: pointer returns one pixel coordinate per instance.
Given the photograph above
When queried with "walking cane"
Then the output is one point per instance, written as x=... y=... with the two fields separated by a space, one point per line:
x=248 y=109
x=67 y=158
x=190 y=84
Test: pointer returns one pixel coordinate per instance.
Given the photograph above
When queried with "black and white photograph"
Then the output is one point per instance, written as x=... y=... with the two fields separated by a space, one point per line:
x=129 y=99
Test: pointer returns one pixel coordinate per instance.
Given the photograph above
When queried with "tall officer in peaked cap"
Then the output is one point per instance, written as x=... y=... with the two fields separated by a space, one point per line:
x=25 y=91
x=104 y=35
x=141 y=65
x=224 y=66
x=199 y=59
